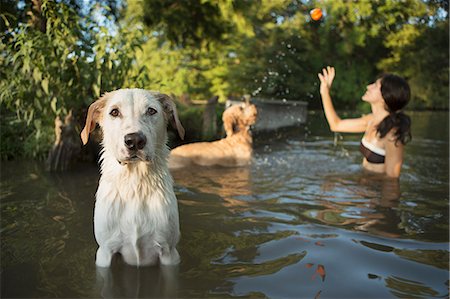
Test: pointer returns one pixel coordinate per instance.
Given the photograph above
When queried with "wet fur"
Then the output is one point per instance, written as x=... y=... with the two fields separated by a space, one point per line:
x=136 y=211
x=234 y=150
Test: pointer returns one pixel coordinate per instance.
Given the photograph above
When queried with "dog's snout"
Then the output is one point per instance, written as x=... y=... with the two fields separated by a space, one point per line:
x=135 y=141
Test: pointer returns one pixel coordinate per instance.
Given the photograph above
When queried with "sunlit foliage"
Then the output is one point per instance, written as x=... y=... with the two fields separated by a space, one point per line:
x=63 y=54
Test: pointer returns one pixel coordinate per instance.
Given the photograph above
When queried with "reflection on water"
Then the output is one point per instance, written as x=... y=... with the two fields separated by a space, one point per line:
x=372 y=201
x=228 y=183
x=303 y=221
x=47 y=238
x=123 y=281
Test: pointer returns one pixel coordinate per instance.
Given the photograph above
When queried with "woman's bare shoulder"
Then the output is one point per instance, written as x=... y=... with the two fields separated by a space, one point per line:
x=391 y=139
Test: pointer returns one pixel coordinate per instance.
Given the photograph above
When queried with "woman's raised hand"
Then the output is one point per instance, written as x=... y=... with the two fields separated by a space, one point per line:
x=326 y=78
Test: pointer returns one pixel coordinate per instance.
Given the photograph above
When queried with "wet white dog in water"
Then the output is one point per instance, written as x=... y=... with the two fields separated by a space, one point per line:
x=136 y=211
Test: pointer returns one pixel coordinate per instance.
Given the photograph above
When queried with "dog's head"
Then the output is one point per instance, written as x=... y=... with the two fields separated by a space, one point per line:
x=133 y=122
x=248 y=114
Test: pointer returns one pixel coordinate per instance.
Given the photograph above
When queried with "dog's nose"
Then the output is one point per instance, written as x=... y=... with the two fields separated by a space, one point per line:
x=135 y=141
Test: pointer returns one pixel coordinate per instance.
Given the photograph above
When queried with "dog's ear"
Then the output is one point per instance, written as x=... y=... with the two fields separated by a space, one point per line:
x=247 y=98
x=170 y=111
x=92 y=118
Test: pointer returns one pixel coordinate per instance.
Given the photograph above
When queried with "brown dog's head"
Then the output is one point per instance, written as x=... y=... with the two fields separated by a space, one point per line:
x=249 y=114
x=244 y=117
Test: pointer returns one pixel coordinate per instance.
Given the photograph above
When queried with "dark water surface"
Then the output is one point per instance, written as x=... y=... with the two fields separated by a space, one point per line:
x=303 y=221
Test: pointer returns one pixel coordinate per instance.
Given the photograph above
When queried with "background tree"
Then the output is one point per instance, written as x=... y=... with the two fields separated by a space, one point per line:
x=45 y=74
x=272 y=49
x=198 y=48
x=419 y=51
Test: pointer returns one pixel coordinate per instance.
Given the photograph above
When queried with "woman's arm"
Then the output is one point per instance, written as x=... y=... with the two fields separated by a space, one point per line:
x=394 y=157
x=355 y=125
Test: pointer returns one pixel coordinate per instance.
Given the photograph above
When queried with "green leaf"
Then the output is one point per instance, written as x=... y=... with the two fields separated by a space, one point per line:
x=96 y=90
x=53 y=104
x=37 y=75
x=30 y=117
x=26 y=65
x=44 y=84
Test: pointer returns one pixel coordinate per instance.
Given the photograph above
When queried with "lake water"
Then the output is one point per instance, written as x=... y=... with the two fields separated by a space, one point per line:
x=303 y=221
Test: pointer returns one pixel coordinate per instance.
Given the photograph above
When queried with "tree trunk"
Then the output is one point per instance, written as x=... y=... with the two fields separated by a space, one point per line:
x=67 y=145
x=210 y=119
x=37 y=19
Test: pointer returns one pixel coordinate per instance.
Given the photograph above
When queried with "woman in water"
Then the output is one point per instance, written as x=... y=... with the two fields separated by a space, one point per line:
x=386 y=129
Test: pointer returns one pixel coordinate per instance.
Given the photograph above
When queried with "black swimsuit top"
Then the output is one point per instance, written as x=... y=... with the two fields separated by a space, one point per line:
x=368 y=151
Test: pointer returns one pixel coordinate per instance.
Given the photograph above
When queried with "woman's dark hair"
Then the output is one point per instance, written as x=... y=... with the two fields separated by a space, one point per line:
x=396 y=94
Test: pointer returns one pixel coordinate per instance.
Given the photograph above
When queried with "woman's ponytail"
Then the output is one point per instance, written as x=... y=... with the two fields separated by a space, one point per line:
x=400 y=122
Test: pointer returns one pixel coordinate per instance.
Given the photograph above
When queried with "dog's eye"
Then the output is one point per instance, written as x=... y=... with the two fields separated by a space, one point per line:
x=151 y=111
x=115 y=112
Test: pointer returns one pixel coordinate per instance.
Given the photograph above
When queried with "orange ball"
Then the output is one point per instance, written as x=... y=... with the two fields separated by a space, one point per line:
x=316 y=14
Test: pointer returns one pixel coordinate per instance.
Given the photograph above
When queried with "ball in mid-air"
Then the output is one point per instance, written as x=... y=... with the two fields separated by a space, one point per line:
x=316 y=14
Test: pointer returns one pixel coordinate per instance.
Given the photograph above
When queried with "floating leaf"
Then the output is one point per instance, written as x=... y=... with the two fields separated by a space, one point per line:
x=318 y=294
x=303 y=239
x=321 y=271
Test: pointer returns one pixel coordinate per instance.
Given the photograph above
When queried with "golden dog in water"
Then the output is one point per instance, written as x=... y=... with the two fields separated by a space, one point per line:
x=234 y=150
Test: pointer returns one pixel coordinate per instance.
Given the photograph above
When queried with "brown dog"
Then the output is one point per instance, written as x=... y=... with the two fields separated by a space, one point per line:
x=234 y=150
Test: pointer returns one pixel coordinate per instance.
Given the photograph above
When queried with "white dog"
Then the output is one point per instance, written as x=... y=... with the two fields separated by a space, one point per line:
x=136 y=211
